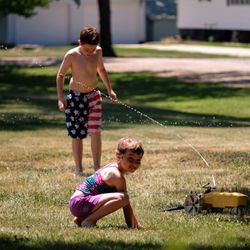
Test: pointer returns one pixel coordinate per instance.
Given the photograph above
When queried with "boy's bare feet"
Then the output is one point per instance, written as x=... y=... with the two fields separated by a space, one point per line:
x=78 y=173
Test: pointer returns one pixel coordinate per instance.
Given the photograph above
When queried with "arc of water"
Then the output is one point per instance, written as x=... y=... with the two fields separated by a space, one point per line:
x=162 y=125
x=191 y=146
x=178 y=135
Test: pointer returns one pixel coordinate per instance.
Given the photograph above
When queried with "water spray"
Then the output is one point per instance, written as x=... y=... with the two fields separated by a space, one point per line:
x=162 y=125
x=158 y=123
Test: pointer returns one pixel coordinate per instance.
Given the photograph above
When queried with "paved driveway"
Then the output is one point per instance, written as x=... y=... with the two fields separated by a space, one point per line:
x=234 y=72
x=218 y=50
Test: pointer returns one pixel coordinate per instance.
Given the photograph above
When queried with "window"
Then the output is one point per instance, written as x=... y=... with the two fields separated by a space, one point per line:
x=238 y=2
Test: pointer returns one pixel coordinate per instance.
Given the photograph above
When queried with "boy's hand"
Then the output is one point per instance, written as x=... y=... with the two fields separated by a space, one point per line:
x=61 y=105
x=113 y=96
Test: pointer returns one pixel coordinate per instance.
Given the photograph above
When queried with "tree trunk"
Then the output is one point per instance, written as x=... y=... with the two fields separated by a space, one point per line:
x=105 y=28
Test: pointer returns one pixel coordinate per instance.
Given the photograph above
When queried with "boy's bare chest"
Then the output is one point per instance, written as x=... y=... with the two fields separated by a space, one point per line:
x=88 y=63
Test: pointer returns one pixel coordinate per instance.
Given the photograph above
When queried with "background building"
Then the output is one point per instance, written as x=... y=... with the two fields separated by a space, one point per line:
x=161 y=19
x=217 y=20
x=61 y=22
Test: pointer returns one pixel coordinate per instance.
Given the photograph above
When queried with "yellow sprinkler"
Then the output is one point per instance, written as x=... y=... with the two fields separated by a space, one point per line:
x=213 y=201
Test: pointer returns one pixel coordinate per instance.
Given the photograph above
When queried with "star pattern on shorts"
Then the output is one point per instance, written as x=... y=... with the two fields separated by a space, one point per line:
x=77 y=115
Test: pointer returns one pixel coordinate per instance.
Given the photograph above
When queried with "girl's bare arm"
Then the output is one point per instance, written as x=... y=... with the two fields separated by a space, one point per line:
x=118 y=180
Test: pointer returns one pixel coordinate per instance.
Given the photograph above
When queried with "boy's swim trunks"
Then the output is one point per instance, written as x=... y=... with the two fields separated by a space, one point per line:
x=83 y=113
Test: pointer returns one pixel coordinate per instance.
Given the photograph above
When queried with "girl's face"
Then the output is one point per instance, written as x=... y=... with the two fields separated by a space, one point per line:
x=129 y=162
x=88 y=49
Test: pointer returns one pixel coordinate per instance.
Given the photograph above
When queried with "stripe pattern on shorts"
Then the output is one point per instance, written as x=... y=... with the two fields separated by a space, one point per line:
x=95 y=111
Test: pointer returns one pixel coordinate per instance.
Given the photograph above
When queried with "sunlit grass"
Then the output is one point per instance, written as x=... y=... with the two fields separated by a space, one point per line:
x=36 y=166
x=59 y=51
x=37 y=179
x=209 y=106
x=49 y=51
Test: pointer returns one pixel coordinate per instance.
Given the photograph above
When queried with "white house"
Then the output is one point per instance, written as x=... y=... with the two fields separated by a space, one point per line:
x=222 y=19
x=61 y=22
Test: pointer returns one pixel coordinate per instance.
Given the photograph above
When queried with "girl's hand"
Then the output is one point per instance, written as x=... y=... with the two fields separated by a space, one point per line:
x=136 y=224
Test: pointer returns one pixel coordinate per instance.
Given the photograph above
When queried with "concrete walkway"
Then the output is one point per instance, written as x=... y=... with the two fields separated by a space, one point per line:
x=198 y=65
x=232 y=71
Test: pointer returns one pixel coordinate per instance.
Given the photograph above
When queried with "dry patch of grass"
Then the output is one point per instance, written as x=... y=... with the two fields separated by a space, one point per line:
x=36 y=180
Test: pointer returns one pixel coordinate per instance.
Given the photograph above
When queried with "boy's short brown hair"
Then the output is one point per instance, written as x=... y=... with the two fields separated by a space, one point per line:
x=89 y=35
x=131 y=144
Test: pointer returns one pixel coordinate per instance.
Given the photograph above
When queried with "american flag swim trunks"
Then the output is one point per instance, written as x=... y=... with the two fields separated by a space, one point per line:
x=83 y=113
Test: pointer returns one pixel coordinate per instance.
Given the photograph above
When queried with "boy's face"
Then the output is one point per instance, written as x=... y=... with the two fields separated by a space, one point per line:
x=130 y=161
x=88 y=49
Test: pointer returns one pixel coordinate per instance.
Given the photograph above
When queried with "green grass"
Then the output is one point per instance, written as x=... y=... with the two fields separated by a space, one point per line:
x=48 y=51
x=36 y=164
x=145 y=52
x=28 y=95
x=59 y=51
x=36 y=182
x=172 y=40
x=220 y=44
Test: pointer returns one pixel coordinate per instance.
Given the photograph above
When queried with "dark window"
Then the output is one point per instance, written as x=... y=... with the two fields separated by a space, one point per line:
x=238 y=2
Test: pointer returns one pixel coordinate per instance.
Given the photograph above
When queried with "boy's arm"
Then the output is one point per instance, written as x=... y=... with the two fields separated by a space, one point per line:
x=104 y=77
x=66 y=63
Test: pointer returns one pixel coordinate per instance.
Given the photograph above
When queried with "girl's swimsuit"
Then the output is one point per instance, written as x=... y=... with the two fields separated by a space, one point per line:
x=92 y=188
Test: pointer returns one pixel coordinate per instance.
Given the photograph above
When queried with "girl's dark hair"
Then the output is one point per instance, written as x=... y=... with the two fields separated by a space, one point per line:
x=89 y=35
x=131 y=144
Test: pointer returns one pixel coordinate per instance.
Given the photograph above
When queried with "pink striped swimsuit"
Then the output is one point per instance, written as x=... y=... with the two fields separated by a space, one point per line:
x=92 y=189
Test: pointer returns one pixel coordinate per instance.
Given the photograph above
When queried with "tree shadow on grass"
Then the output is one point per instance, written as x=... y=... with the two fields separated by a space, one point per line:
x=139 y=115
x=18 y=82
x=39 y=92
x=205 y=247
x=142 y=84
x=129 y=85
x=18 y=243
x=115 y=116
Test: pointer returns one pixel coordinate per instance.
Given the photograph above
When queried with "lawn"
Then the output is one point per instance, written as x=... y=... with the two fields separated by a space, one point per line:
x=36 y=167
x=59 y=51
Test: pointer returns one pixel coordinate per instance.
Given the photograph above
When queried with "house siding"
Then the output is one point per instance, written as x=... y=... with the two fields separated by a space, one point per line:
x=62 y=21
x=203 y=19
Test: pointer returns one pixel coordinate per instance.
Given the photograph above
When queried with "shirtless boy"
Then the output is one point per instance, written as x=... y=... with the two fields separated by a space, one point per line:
x=83 y=105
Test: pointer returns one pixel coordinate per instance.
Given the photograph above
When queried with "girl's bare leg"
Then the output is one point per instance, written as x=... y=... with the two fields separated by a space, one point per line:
x=96 y=148
x=107 y=204
x=77 y=149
